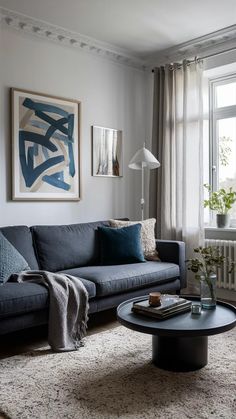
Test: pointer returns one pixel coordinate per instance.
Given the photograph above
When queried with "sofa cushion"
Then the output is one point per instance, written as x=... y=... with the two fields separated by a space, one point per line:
x=115 y=279
x=20 y=237
x=147 y=235
x=67 y=246
x=120 y=245
x=89 y=285
x=22 y=298
x=26 y=297
x=11 y=261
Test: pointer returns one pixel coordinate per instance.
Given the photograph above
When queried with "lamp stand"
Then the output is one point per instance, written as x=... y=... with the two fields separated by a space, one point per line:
x=142 y=201
x=143 y=158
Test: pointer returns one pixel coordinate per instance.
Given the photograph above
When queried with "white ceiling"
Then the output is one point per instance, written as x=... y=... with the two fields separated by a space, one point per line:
x=140 y=27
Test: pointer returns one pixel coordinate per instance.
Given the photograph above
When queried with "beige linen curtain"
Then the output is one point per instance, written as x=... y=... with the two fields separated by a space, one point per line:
x=176 y=188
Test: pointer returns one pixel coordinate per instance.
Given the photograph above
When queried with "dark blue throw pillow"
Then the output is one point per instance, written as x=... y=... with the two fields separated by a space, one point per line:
x=121 y=245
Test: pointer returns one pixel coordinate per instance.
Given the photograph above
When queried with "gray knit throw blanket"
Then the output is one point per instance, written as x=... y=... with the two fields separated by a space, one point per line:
x=68 y=307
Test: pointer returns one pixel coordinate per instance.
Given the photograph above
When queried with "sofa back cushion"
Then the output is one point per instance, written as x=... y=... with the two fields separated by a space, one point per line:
x=20 y=237
x=60 y=247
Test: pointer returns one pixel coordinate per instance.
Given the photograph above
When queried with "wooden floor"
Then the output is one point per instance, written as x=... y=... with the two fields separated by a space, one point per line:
x=27 y=340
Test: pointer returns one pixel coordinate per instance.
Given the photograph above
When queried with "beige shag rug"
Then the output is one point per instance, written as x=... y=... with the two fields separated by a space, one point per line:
x=112 y=377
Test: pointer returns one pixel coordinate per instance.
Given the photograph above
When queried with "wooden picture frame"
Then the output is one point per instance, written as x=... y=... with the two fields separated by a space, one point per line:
x=45 y=147
x=107 y=158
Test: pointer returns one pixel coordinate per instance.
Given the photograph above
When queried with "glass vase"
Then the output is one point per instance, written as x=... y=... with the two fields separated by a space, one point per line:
x=208 y=291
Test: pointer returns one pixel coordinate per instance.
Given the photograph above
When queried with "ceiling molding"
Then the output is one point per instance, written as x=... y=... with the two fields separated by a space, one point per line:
x=215 y=42
x=67 y=38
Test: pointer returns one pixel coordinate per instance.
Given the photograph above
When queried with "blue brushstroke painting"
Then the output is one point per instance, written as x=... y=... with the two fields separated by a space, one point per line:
x=46 y=146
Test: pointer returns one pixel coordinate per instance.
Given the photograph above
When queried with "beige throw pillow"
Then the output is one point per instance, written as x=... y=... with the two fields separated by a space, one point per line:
x=147 y=235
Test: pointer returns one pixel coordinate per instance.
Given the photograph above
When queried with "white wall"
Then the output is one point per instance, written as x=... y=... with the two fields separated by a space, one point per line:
x=112 y=95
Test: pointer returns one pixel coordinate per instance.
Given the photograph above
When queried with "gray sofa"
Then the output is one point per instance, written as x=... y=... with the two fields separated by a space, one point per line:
x=74 y=249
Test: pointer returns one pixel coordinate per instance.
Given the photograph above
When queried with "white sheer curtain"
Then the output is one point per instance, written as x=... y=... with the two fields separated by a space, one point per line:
x=176 y=189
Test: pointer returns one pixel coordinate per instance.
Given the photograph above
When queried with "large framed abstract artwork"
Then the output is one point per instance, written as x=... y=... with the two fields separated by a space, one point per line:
x=107 y=152
x=46 y=147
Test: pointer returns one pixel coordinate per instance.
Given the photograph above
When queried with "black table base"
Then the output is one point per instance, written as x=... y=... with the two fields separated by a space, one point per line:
x=179 y=353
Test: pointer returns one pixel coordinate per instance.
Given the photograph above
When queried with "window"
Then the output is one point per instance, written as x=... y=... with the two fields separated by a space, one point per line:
x=222 y=121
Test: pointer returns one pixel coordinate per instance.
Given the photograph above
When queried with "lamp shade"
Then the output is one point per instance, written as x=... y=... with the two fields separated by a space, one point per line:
x=143 y=158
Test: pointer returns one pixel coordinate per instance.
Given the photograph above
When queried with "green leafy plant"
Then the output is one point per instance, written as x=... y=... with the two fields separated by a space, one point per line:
x=220 y=201
x=208 y=261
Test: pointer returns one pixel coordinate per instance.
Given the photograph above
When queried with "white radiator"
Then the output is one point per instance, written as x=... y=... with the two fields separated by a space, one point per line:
x=227 y=249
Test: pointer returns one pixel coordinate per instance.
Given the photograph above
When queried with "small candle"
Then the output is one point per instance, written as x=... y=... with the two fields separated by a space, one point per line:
x=155 y=299
x=196 y=308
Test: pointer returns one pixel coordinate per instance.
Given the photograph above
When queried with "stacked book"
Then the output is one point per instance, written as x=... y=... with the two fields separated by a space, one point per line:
x=170 y=306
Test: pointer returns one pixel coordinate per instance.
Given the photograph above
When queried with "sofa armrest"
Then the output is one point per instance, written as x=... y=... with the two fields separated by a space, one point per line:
x=174 y=252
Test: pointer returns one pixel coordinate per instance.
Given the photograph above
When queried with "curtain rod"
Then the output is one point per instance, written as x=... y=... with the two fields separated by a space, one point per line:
x=209 y=55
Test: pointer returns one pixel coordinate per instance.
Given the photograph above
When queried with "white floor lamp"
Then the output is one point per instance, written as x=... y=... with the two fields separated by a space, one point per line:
x=143 y=158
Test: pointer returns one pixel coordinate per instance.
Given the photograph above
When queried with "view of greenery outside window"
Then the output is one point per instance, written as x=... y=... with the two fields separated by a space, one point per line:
x=222 y=150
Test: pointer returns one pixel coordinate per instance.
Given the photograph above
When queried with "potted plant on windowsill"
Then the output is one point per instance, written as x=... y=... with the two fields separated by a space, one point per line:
x=220 y=201
x=205 y=267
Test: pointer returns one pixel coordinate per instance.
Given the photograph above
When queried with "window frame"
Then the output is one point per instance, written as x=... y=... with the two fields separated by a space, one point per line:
x=215 y=114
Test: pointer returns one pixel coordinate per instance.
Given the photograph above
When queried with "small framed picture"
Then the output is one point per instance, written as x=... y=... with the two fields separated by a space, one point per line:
x=45 y=147
x=107 y=152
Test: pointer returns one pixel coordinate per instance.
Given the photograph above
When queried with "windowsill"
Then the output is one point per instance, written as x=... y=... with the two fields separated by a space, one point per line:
x=213 y=232
x=214 y=228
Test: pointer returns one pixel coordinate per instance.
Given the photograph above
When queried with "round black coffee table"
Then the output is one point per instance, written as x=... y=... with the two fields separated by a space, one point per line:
x=180 y=343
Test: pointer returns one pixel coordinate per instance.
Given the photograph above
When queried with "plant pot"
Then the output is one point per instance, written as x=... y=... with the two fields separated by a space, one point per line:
x=222 y=220
x=208 y=291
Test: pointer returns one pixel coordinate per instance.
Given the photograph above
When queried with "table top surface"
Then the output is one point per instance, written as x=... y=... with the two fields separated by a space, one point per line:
x=209 y=322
